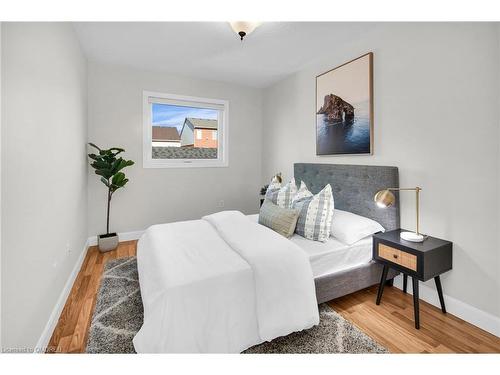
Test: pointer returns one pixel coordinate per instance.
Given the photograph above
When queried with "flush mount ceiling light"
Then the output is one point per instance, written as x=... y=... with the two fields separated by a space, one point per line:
x=244 y=28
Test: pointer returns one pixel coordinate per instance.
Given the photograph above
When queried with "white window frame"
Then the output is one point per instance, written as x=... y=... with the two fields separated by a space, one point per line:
x=188 y=101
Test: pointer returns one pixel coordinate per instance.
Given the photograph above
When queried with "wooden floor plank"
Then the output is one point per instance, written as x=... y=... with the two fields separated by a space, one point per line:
x=390 y=323
x=449 y=332
x=78 y=341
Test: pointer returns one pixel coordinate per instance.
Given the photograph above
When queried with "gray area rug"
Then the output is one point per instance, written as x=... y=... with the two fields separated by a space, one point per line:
x=118 y=316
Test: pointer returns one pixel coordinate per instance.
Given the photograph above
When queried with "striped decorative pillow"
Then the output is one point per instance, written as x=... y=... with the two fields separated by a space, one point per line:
x=273 y=187
x=302 y=193
x=281 y=220
x=282 y=196
x=274 y=184
x=315 y=215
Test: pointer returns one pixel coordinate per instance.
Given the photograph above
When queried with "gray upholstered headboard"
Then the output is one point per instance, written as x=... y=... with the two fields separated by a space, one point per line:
x=354 y=187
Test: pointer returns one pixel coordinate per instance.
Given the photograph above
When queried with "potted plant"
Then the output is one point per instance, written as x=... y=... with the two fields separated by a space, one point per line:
x=108 y=165
x=263 y=191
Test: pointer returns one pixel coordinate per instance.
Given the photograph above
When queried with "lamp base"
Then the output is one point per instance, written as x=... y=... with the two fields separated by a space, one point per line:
x=412 y=236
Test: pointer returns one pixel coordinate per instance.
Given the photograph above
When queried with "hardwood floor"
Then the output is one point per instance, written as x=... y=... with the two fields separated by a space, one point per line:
x=71 y=332
x=390 y=323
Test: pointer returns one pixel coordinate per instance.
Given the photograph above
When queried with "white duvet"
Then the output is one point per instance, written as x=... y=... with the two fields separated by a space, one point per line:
x=221 y=284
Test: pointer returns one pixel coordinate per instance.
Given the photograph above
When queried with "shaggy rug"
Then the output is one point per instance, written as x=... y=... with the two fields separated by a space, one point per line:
x=118 y=316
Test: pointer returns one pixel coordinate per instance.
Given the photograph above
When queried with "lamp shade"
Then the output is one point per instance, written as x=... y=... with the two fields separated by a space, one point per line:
x=244 y=28
x=384 y=198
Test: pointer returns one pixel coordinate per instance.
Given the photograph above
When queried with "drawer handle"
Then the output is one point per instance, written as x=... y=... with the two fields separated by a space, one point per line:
x=395 y=256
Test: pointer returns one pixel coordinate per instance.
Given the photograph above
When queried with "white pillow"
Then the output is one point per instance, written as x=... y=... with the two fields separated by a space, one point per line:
x=350 y=228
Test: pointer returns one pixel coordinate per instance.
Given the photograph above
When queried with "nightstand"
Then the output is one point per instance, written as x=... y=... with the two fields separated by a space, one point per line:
x=419 y=260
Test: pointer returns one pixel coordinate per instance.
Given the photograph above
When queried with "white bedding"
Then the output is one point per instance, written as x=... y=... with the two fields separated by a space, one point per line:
x=220 y=284
x=333 y=255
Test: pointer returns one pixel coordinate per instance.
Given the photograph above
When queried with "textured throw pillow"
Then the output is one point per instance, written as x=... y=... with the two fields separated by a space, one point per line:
x=281 y=220
x=273 y=187
x=315 y=215
x=350 y=228
x=282 y=196
x=275 y=184
x=302 y=193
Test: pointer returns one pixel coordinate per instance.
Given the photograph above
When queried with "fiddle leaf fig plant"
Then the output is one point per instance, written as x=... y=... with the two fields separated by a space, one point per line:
x=108 y=165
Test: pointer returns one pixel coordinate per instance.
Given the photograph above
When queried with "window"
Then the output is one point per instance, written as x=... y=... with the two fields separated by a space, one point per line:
x=183 y=131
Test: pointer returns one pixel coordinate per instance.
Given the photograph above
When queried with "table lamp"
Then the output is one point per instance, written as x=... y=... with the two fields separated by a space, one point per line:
x=385 y=198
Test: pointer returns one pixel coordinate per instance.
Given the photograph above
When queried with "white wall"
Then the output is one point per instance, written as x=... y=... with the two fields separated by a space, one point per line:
x=44 y=173
x=163 y=195
x=436 y=118
x=0 y=185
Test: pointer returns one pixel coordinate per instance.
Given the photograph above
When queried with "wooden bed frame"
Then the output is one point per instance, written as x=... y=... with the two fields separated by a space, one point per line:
x=353 y=189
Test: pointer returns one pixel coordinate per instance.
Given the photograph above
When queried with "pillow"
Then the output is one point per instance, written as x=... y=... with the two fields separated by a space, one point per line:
x=302 y=193
x=273 y=187
x=350 y=228
x=281 y=220
x=274 y=184
x=282 y=196
x=315 y=215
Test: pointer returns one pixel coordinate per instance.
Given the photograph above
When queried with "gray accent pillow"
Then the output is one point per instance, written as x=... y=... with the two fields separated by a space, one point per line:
x=281 y=220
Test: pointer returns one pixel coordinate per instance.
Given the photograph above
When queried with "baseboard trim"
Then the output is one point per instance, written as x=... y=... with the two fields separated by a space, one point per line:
x=44 y=339
x=473 y=315
x=124 y=236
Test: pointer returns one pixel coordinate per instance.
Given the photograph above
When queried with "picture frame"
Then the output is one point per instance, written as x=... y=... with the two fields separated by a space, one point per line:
x=344 y=108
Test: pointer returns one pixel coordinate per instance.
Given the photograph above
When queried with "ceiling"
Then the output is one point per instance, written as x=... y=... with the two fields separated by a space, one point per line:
x=211 y=50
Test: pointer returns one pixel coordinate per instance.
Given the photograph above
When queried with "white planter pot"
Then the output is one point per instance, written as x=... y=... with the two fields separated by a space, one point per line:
x=107 y=242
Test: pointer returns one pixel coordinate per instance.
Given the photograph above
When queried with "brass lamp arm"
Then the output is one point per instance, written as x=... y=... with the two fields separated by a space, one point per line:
x=385 y=198
x=417 y=203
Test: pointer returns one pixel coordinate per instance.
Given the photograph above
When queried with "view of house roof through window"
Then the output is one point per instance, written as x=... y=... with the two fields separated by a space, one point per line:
x=181 y=132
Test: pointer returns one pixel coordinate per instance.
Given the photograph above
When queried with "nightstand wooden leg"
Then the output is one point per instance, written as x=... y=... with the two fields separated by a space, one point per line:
x=382 y=283
x=405 y=282
x=437 y=279
x=415 y=302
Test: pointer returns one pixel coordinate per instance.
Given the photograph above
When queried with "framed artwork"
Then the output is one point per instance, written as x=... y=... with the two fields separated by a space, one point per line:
x=344 y=108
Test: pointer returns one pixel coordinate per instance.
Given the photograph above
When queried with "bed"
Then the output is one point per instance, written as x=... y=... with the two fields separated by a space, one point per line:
x=224 y=283
x=332 y=256
x=353 y=189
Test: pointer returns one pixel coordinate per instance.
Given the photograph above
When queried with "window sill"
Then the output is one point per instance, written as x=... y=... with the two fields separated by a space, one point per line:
x=185 y=164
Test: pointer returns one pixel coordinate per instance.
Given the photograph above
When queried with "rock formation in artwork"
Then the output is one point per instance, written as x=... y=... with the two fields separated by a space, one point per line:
x=336 y=109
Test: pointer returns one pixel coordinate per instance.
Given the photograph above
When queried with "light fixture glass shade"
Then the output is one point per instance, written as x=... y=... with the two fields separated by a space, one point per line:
x=244 y=28
x=384 y=198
